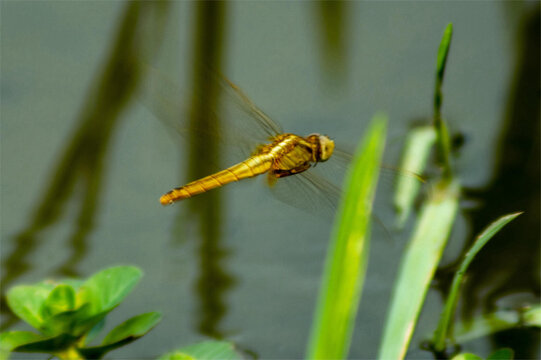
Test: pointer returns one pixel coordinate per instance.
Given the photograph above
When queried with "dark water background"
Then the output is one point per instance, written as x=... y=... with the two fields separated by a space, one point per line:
x=84 y=162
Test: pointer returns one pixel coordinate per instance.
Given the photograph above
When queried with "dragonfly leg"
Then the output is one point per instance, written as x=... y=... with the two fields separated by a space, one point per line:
x=278 y=173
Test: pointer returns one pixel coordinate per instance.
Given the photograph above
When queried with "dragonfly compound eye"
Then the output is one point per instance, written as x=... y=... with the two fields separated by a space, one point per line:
x=326 y=146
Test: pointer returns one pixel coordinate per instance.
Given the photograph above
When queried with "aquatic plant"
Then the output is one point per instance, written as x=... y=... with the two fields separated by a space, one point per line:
x=68 y=314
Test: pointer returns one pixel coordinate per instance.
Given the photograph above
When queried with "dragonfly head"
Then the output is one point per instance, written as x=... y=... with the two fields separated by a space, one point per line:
x=324 y=146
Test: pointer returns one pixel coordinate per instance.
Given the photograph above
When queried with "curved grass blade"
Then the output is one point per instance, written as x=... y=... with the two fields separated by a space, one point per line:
x=418 y=266
x=347 y=257
x=444 y=330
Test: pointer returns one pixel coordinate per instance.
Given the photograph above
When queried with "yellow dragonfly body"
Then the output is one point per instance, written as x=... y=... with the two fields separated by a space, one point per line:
x=286 y=155
x=247 y=128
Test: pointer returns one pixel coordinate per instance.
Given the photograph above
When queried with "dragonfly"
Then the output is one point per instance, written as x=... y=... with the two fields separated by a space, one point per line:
x=280 y=155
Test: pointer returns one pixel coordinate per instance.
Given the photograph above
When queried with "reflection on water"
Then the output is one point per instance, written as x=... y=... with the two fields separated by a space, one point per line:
x=507 y=266
x=213 y=281
x=84 y=159
x=333 y=29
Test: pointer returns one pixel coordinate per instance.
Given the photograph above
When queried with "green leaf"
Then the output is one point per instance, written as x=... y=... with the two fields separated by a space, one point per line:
x=347 y=257
x=484 y=325
x=94 y=331
x=417 y=267
x=502 y=354
x=26 y=302
x=60 y=299
x=68 y=322
x=125 y=333
x=83 y=323
x=206 y=350
x=444 y=327
x=108 y=288
x=11 y=339
x=137 y=326
x=532 y=316
x=418 y=145
x=443 y=51
x=50 y=345
x=442 y=135
x=466 y=356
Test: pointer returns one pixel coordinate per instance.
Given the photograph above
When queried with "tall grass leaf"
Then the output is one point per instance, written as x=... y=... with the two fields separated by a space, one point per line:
x=442 y=333
x=442 y=135
x=418 y=266
x=347 y=257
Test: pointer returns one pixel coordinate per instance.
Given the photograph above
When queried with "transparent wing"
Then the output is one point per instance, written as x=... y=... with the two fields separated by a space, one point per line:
x=309 y=192
x=318 y=189
x=241 y=125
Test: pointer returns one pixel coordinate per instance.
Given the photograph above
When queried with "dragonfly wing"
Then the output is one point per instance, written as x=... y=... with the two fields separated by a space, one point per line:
x=241 y=125
x=309 y=192
x=234 y=95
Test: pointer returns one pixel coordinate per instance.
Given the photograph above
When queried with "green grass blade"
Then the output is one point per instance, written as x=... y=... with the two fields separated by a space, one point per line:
x=443 y=51
x=416 y=151
x=347 y=257
x=442 y=135
x=418 y=266
x=443 y=330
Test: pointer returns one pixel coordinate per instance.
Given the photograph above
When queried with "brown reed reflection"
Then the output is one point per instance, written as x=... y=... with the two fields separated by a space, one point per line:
x=333 y=38
x=82 y=164
x=213 y=280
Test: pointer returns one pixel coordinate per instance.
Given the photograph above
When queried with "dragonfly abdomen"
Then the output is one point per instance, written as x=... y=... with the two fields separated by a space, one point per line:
x=251 y=167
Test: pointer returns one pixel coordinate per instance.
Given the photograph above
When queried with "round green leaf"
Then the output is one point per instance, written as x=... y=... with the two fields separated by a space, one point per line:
x=106 y=289
x=61 y=299
x=207 y=350
x=49 y=345
x=11 y=339
x=135 y=327
x=125 y=333
x=26 y=302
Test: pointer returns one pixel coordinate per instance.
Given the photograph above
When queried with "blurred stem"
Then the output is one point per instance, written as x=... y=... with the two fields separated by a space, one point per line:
x=70 y=353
